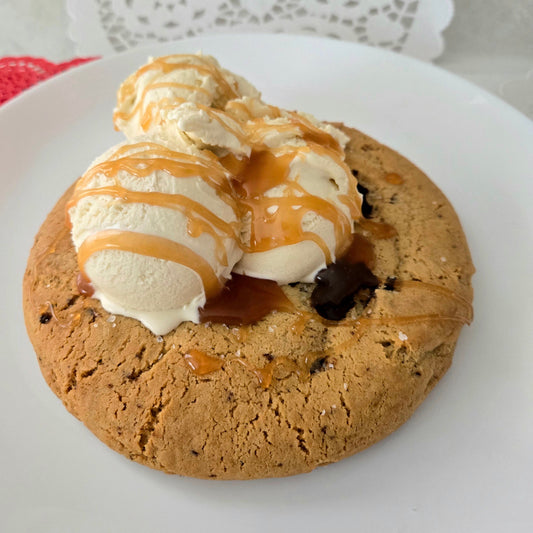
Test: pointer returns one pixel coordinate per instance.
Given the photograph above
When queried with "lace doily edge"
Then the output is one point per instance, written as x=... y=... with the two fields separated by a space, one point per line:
x=81 y=13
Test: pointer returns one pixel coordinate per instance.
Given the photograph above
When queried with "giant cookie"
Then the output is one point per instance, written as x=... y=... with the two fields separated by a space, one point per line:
x=335 y=387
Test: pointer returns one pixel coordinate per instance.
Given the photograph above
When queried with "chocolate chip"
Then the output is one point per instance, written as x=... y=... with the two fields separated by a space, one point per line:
x=45 y=318
x=269 y=357
x=366 y=208
x=389 y=284
x=336 y=287
x=195 y=453
x=361 y=188
x=318 y=365
x=72 y=300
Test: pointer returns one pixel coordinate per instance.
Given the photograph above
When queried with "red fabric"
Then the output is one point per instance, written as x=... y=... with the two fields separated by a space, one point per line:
x=20 y=73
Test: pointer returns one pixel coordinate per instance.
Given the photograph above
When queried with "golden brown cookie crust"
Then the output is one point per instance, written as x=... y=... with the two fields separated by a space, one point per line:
x=136 y=392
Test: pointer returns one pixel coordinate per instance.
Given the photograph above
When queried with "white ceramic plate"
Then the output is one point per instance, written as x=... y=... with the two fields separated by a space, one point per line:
x=463 y=462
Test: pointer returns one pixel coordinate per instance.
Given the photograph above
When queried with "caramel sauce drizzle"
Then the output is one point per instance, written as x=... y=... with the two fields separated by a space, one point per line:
x=48 y=307
x=265 y=374
x=163 y=66
x=439 y=289
x=245 y=300
x=201 y=364
x=152 y=87
x=84 y=285
x=148 y=157
x=299 y=126
x=153 y=115
x=277 y=221
x=239 y=107
x=302 y=319
x=360 y=250
x=152 y=246
x=52 y=248
x=363 y=323
x=393 y=178
x=199 y=218
x=378 y=230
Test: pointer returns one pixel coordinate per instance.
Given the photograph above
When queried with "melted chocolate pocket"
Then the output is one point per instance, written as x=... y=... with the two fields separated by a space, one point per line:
x=336 y=287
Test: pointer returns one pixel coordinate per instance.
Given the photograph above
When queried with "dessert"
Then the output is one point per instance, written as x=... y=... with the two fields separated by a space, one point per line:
x=242 y=291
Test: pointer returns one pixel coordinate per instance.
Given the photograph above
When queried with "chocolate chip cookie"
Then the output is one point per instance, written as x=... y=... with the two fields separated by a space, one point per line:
x=300 y=388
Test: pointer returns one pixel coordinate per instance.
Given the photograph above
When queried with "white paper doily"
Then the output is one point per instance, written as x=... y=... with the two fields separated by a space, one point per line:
x=413 y=27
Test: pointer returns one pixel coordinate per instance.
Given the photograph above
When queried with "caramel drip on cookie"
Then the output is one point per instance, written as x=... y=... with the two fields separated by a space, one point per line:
x=49 y=308
x=201 y=364
x=360 y=250
x=302 y=319
x=265 y=374
x=378 y=230
x=439 y=290
x=84 y=285
x=393 y=178
x=363 y=324
x=245 y=300
x=48 y=312
x=151 y=246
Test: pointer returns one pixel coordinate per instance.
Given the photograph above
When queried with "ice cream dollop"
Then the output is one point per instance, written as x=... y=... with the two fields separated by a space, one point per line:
x=298 y=199
x=212 y=180
x=156 y=231
x=183 y=95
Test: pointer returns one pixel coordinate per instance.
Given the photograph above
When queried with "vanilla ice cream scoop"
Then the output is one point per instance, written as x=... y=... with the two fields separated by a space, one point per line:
x=211 y=181
x=298 y=199
x=156 y=231
x=183 y=94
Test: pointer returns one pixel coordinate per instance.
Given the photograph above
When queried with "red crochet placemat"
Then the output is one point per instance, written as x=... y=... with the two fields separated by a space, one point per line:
x=20 y=73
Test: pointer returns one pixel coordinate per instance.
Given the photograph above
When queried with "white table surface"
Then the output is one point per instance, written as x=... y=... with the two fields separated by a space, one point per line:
x=489 y=42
